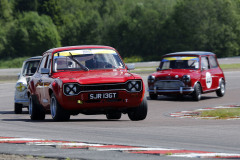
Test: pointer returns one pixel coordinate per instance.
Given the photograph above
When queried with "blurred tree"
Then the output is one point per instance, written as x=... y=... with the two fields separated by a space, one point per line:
x=5 y=10
x=26 y=5
x=51 y=8
x=34 y=35
x=203 y=25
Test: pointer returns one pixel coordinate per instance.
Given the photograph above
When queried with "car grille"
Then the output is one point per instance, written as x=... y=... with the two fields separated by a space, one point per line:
x=169 y=84
x=102 y=87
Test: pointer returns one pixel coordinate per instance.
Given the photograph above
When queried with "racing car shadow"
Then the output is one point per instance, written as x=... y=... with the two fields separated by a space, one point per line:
x=7 y=112
x=184 y=98
x=51 y=120
x=12 y=112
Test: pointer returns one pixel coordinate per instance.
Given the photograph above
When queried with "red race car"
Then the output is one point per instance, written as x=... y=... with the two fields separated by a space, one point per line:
x=88 y=80
x=187 y=73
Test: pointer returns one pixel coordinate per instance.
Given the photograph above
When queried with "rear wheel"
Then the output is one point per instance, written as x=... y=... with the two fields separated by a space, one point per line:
x=18 y=108
x=153 y=96
x=221 y=91
x=116 y=115
x=140 y=112
x=35 y=110
x=197 y=92
x=57 y=112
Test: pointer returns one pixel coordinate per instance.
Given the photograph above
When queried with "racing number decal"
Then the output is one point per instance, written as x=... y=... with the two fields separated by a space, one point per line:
x=208 y=80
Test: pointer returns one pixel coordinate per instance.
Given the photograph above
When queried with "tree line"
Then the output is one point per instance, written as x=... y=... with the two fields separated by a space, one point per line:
x=142 y=28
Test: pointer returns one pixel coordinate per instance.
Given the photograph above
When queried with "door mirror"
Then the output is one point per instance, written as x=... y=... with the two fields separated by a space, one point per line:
x=45 y=71
x=203 y=68
x=158 y=69
x=130 y=66
x=18 y=75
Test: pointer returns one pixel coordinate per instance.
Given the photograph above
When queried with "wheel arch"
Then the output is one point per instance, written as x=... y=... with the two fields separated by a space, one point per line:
x=197 y=82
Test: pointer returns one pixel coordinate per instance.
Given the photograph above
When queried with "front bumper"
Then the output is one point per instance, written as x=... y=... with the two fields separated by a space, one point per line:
x=181 y=90
x=124 y=100
x=21 y=98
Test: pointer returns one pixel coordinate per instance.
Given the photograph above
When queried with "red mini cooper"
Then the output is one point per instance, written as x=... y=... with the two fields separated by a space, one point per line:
x=187 y=73
x=88 y=80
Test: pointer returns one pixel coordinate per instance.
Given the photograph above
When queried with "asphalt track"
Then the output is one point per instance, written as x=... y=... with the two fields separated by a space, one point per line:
x=159 y=130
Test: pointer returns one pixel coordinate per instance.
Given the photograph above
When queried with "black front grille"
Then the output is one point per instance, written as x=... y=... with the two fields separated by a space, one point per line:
x=102 y=87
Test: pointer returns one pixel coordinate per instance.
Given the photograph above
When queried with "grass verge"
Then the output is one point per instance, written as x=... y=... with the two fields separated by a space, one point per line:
x=12 y=63
x=221 y=113
x=230 y=66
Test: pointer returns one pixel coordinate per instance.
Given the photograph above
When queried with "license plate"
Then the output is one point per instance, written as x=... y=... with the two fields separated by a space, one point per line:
x=102 y=96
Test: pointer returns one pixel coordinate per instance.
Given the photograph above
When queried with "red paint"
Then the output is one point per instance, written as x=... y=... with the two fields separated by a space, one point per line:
x=114 y=146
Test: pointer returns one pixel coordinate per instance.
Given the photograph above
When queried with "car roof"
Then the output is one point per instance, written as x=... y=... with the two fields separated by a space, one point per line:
x=54 y=50
x=198 y=53
x=34 y=58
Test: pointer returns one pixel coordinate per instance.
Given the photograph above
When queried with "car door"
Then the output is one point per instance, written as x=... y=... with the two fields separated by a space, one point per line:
x=215 y=71
x=46 y=82
x=206 y=75
x=38 y=84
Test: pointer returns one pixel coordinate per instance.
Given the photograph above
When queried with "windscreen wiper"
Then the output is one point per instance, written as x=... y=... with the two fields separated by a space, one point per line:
x=75 y=60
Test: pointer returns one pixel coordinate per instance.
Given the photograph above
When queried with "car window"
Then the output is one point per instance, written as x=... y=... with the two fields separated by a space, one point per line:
x=91 y=59
x=49 y=61
x=180 y=62
x=30 y=68
x=205 y=63
x=42 y=64
x=213 y=62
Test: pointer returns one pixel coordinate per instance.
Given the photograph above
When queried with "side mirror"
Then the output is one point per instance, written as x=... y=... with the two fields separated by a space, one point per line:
x=130 y=66
x=45 y=71
x=158 y=69
x=18 y=75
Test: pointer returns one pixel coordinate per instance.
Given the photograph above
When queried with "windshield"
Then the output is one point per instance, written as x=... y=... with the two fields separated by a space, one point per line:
x=179 y=62
x=88 y=59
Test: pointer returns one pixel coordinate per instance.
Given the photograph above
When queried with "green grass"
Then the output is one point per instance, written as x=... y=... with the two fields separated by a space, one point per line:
x=230 y=66
x=12 y=63
x=221 y=113
x=133 y=59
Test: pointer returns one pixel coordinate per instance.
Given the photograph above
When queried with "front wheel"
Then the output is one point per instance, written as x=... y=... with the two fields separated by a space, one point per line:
x=197 y=92
x=140 y=112
x=57 y=112
x=35 y=110
x=221 y=91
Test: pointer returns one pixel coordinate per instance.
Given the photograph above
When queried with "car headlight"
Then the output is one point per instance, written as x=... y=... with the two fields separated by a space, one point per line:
x=21 y=86
x=151 y=79
x=71 y=89
x=134 y=86
x=186 y=78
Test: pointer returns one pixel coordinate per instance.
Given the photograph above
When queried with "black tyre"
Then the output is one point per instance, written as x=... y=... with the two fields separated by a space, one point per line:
x=196 y=95
x=36 y=111
x=18 y=108
x=116 y=115
x=140 y=112
x=153 y=96
x=57 y=112
x=221 y=91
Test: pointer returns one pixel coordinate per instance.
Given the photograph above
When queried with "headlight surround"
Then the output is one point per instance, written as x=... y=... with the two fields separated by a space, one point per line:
x=134 y=86
x=186 y=78
x=20 y=86
x=71 y=89
x=151 y=79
